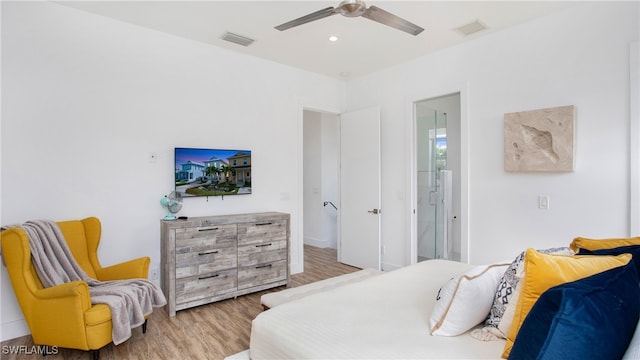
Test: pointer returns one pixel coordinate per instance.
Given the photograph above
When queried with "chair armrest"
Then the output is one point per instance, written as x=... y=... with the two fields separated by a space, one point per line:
x=58 y=315
x=132 y=269
x=64 y=295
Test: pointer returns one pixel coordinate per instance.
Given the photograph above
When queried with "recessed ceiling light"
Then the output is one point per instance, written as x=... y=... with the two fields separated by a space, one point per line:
x=333 y=38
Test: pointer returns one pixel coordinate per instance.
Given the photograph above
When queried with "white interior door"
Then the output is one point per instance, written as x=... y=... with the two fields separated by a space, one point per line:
x=359 y=243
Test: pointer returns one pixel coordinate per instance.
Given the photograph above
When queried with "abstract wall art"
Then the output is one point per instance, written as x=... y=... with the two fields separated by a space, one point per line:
x=540 y=140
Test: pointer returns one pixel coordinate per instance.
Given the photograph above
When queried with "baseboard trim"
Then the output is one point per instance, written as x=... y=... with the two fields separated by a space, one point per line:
x=14 y=329
x=319 y=243
x=390 y=267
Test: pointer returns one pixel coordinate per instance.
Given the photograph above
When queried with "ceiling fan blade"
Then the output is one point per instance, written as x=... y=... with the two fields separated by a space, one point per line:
x=320 y=14
x=384 y=17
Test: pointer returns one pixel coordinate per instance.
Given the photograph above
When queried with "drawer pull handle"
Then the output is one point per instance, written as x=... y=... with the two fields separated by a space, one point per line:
x=208 y=277
x=264 y=266
x=263 y=245
x=209 y=229
x=209 y=252
x=263 y=224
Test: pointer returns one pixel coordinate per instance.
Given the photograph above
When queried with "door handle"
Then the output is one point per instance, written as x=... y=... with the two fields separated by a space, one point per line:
x=375 y=211
x=433 y=198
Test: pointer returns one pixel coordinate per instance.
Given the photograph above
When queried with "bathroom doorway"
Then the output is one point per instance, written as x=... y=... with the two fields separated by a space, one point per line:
x=437 y=178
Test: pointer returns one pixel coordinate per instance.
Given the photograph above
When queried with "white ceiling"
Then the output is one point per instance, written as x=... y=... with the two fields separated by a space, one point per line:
x=364 y=46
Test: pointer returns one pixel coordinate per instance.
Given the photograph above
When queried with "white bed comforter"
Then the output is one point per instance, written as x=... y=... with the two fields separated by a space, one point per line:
x=383 y=317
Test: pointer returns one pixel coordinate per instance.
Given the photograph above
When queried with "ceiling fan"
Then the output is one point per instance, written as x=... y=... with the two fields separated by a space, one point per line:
x=355 y=8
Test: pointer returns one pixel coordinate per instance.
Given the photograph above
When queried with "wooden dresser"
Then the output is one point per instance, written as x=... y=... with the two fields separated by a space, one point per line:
x=211 y=258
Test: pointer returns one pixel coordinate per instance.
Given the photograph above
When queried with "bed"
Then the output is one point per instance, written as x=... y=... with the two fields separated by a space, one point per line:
x=385 y=316
x=413 y=312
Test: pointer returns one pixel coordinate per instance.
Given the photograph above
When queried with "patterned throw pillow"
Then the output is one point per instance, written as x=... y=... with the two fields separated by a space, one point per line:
x=509 y=282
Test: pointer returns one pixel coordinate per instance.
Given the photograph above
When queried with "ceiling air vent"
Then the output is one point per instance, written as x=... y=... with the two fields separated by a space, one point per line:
x=236 y=39
x=470 y=28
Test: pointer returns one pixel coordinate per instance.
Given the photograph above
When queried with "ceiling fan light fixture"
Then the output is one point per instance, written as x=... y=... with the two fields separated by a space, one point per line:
x=355 y=8
x=352 y=8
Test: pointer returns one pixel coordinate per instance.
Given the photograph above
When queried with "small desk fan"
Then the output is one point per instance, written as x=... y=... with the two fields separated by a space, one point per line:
x=173 y=203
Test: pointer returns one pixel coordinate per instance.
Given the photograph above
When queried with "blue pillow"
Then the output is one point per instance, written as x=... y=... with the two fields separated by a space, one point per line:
x=591 y=318
x=634 y=250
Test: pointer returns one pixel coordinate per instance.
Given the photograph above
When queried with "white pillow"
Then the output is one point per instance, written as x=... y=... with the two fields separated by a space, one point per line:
x=465 y=301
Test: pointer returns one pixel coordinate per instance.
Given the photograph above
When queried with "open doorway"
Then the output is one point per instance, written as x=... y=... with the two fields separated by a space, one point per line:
x=341 y=184
x=437 y=177
x=320 y=180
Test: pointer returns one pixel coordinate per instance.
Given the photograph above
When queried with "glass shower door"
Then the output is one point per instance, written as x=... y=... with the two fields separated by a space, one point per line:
x=432 y=182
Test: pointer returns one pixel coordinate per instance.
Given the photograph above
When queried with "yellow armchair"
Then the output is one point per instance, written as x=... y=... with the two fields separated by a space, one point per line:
x=63 y=315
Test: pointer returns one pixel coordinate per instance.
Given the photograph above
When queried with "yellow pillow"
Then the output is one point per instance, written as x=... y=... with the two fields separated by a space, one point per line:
x=544 y=271
x=597 y=244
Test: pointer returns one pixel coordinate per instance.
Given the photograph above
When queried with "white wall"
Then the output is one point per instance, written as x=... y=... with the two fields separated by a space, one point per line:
x=312 y=178
x=330 y=159
x=579 y=57
x=634 y=138
x=87 y=99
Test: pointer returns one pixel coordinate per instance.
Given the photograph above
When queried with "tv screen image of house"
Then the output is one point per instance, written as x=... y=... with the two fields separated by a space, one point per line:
x=212 y=172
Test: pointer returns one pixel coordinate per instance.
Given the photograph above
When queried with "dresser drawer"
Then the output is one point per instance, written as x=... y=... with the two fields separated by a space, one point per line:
x=204 y=261
x=206 y=285
x=205 y=237
x=262 y=253
x=261 y=274
x=252 y=233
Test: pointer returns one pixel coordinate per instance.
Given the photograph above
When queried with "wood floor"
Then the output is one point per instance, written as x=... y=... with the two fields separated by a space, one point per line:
x=211 y=331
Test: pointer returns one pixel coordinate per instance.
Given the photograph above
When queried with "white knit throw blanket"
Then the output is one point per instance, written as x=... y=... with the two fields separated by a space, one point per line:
x=129 y=300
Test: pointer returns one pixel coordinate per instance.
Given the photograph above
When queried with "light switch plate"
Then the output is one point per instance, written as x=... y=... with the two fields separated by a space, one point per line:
x=543 y=202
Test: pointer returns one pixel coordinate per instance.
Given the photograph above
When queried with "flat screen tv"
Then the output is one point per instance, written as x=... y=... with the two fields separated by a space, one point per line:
x=212 y=172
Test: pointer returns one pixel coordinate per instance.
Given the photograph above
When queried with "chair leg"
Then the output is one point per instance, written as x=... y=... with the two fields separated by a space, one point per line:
x=144 y=326
x=95 y=354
